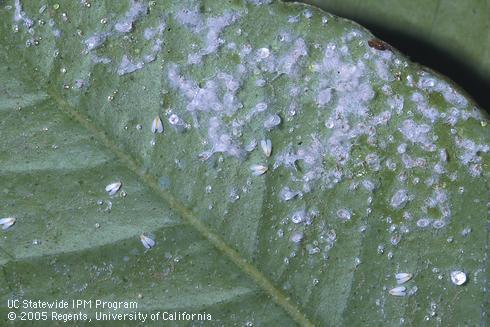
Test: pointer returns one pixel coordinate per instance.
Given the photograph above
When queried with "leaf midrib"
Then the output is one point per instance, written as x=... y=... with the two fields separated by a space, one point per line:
x=262 y=281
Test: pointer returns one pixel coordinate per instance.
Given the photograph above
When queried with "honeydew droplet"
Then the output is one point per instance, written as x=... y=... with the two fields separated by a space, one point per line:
x=173 y=119
x=458 y=277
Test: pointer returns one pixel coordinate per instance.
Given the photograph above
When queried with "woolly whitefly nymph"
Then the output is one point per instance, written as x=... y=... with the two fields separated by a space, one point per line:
x=399 y=199
x=344 y=214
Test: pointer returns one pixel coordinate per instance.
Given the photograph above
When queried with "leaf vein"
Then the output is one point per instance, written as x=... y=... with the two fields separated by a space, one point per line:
x=277 y=296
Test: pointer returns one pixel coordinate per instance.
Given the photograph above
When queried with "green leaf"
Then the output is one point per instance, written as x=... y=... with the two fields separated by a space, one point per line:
x=450 y=36
x=368 y=148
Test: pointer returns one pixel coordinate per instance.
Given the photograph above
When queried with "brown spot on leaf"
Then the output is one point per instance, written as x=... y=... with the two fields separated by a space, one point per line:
x=378 y=44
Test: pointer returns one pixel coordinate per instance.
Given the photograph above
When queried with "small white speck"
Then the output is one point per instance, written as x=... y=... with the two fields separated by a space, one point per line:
x=398 y=291
x=272 y=121
x=147 y=242
x=438 y=224
x=458 y=277
x=266 y=146
x=287 y=194
x=466 y=231
x=399 y=199
x=293 y=19
x=7 y=222
x=402 y=278
x=263 y=53
x=173 y=119
x=156 y=125
x=258 y=170
x=260 y=82
x=298 y=216
x=395 y=239
x=423 y=222
x=113 y=188
x=297 y=237
x=251 y=145
x=344 y=214
x=261 y=107
x=413 y=291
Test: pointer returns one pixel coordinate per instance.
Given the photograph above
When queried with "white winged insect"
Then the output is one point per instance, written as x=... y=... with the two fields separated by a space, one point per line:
x=7 y=222
x=147 y=242
x=398 y=291
x=402 y=278
x=157 y=125
x=113 y=188
x=266 y=146
x=258 y=170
